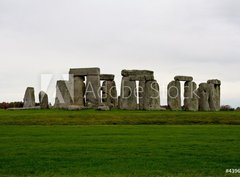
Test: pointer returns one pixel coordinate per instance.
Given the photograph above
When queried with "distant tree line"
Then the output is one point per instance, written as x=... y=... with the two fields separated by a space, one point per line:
x=5 y=105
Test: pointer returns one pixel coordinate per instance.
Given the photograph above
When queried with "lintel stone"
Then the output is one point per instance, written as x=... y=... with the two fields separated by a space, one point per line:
x=84 y=71
x=183 y=78
x=107 y=77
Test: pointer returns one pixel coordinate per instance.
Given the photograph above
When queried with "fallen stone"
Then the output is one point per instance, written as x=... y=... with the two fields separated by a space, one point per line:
x=26 y=108
x=75 y=108
x=103 y=108
x=183 y=78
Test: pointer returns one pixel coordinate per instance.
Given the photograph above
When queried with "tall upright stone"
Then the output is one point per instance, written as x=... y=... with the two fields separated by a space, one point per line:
x=128 y=98
x=174 y=95
x=93 y=91
x=151 y=96
x=190 y=96
x=214 y=94
x=79 y=90
x=203 y=93
x=141 y=94
x=29 y=98
x=109 y=94
x=64 y=94
x=43 y=100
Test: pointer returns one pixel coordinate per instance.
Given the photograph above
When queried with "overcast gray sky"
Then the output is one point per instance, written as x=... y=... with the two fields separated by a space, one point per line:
x=171 y=37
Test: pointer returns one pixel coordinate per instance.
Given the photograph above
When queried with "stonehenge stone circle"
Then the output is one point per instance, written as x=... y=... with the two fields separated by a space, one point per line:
x=43 y=100
x=139 y=90
x=174 y=95
x=29 y=98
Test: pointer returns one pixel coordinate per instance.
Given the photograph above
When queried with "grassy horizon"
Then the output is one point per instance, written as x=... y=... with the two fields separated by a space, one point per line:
x=115 y=117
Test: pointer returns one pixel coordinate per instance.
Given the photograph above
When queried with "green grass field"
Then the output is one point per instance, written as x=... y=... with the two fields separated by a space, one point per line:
x=64 y=143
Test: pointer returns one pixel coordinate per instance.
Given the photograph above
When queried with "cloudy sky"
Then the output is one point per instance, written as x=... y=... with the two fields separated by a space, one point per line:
x=200 y=38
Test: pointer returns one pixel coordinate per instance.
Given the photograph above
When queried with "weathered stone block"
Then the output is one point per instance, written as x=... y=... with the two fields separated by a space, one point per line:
x=174 y=95
x=183 y=78
x=84 y=71
x=190 y=96
x=107 y=77
x=126 y=73
x=29 y=98
x=93 y=89
x=128 y=98
x=43 y=100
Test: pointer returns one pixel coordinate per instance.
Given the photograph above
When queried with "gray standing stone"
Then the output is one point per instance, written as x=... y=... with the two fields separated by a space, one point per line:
x=29 y=98
x=141 y=90
x=203 y=93
x=109 y=94
x=190 y=96
x=93 y=89
x=174 y=95
x=151 y=96
x=214 y=94
x=43 y=100
x=64 y=94
x=79 y=91
x=128 y=98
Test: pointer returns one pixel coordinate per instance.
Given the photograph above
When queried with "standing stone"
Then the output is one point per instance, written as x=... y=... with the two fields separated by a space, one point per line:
x=214 y=95
x=152 y=96
x=64 y=94
x=109 y=94
x=79 y=91
x=174 y=95
x=128 y=94
x=29 y=98
x=141 y=90
x=203 y=93
x=93 y=91
x=190 y=96
x=43 y=100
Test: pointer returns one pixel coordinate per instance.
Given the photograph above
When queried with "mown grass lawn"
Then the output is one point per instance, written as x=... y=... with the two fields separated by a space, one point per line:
x=119 y=150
